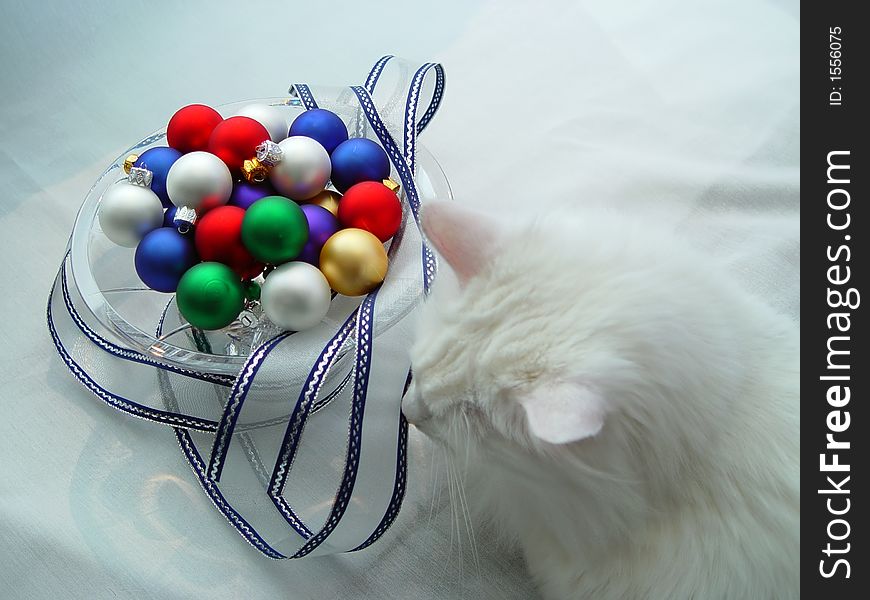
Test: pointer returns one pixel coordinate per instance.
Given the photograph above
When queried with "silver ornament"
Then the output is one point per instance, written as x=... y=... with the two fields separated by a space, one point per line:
x=295 y=296
x=199 y=180
x=271 y=117
x=304 y=169
x=127 y=212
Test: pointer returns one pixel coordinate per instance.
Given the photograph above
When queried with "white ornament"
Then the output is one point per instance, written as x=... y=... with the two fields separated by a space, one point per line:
x=128 y=212
x=304 y=169
x=199 y=180
x=271 y=117
x=296 y=296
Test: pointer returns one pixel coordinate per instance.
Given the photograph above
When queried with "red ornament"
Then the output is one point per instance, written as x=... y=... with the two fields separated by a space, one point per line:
x=190 y=127
x=218 y=238
x=235 y=140
x=372 y=206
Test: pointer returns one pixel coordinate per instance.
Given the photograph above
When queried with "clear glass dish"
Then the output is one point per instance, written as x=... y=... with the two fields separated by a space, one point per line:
x=148 y=321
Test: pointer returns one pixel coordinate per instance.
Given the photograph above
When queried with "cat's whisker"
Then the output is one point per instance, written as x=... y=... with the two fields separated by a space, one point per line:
x=466 y=515
x=433 y=479
x=462 y=497
x=454 y=495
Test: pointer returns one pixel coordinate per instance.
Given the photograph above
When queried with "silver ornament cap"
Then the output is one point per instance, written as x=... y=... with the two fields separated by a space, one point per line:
x=127 y=212
x=296 y=296
x=304 y=169
x=140 y=176
x=269 y=153
x=184 y=219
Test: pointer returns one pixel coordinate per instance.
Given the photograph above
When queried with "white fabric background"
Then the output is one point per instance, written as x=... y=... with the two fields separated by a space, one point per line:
x=688 y=110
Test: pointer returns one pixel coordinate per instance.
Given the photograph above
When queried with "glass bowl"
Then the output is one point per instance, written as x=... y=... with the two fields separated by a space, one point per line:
x=148 y=321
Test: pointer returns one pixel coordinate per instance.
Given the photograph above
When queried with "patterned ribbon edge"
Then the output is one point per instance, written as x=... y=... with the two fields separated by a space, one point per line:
x=294 y=430
x=364 y=330
x=126 y=353
x=304 y=405
x=115 y=401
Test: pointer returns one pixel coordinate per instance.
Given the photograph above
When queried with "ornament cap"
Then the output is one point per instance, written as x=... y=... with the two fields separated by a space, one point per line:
x=269 y=153
x=129 y=161
x=393 y=186
x=140 y=176
x=254 y=171
x=184 y=219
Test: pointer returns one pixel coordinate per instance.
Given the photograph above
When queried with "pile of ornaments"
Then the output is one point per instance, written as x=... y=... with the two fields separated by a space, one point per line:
x=230 y=201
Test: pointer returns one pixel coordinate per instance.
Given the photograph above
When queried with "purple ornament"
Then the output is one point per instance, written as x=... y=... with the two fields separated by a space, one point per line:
x=321 y=225
x=245 y=194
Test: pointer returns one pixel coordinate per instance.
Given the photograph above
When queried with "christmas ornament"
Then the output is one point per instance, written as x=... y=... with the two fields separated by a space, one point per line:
x=162 y=257
x=200 y=181
x=271 y=117
x=296 y=296
x=128 y=212
x=322 y=125
x=303 y=169
x=322 y=224
x=235 y=140
x=372 y=206
x=169 y=216
x=358 y=159
x=252 y=290
x=328 y=199
x=245 y=194
x=210 y=295
x=219 y=239
x=274 y=230
x=190 y=127
x=353 y=261
x=158 y=160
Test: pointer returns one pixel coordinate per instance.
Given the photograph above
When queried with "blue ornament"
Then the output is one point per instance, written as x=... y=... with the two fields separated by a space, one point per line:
x=358 y=159
x=158 y=160
x=324 y=126
x=169 y=216
x=162 y=257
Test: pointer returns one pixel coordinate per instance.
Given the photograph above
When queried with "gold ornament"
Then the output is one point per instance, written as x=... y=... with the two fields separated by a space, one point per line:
x=354 y=262
x=129 y=161
x=328 y=200
x=394 y=186
x=254 y=171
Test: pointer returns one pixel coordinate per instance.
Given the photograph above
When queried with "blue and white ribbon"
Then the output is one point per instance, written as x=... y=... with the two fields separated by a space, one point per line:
x=362 y=371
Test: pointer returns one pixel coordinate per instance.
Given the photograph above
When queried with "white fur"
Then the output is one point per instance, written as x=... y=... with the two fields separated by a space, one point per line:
x=690 y=488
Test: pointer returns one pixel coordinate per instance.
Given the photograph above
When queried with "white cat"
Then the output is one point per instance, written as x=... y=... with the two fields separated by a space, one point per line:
x=622 y=408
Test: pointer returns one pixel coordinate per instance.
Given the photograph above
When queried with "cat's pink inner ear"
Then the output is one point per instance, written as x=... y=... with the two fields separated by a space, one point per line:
x=563 y=412
x=465 y=238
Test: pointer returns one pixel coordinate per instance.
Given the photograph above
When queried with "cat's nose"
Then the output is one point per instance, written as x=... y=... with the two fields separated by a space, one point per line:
x=412 y=406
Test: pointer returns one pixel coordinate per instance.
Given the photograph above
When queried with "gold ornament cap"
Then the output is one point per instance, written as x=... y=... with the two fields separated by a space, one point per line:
x=392 y=185
x=254 y=171
x=129 y=162
x=328 y=200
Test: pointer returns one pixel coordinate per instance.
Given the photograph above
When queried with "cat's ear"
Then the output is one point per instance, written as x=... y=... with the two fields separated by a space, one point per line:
x=466 y=239
x=563 y=412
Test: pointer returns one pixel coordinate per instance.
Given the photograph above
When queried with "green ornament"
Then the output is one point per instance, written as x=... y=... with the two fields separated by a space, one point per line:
x=210 y=295
x=252 y=290
x=274 y=230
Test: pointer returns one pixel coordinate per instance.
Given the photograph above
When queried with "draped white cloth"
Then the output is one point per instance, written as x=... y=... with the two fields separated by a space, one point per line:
x=686 y=110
